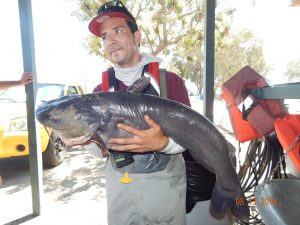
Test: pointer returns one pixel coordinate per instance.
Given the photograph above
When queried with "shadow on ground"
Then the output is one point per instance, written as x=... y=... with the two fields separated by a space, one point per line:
x=79 y=173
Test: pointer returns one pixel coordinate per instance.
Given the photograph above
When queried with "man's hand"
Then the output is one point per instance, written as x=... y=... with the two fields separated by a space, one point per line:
x=26 y=78
x=152 y=139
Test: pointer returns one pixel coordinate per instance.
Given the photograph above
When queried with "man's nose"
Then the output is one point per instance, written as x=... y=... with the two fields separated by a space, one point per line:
x=110 y=39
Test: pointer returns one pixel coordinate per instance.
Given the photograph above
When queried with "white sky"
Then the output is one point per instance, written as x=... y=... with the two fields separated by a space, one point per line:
x=277 y=24
x=60 y=56
x=59 y=52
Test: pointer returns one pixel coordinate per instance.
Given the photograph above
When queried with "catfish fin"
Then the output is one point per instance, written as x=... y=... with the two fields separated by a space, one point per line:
x=139 y=85
x=221 y=200
x=100 y=143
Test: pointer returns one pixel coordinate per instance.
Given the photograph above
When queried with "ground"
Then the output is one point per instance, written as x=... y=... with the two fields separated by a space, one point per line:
x=73 y=192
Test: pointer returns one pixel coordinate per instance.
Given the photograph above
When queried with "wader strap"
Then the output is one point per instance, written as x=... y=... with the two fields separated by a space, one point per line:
x=153 y=69
x=105 y=81
x=112 y=79
x=108 y=80
x=163 y=84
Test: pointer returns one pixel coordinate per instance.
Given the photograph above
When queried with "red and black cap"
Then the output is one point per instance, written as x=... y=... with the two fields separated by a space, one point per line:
x=108 y=10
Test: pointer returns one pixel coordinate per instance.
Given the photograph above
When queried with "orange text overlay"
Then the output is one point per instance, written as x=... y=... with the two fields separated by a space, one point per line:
x=253 y=201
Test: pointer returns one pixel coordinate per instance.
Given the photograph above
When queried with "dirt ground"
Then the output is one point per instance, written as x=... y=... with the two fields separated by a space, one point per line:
x=73 y=192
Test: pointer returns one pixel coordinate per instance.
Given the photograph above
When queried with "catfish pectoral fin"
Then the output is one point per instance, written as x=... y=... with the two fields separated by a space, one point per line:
x=100 y=143
x=236 y=201
x=102 y=148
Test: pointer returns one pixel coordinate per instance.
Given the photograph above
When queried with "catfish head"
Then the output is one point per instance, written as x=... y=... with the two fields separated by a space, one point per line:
x=79 y=119
x=72 y=118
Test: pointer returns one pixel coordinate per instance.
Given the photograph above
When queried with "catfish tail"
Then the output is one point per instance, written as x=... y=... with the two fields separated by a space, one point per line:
x=235 y=201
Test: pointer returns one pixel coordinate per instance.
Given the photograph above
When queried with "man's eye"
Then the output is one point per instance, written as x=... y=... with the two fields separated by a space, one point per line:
x=103 y=37
x=119 y=30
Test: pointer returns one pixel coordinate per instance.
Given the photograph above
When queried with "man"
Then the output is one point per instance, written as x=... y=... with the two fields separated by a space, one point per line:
x=25 y=79
x=153 y=188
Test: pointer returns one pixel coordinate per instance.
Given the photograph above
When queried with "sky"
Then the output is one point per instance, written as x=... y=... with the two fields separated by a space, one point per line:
x=59 y=53
x=277 y=24
x=59 y=37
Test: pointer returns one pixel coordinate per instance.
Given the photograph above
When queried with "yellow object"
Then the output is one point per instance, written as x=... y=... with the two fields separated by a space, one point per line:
x=126 y=179
x=13 y=122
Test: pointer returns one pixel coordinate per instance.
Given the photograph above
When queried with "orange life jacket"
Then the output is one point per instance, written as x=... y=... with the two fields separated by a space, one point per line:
x=288 y=130
x=258 y=119
x=107 y=83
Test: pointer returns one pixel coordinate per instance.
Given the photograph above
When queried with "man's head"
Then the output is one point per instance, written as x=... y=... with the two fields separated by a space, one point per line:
x=119 y=32
x=109 y=10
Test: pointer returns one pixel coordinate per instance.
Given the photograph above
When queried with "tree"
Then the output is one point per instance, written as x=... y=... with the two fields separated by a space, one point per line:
x=188 y=61
x=232 y=52
x=169 y=21
x=175 y=28
x=188 y=57
x=292 y=72
x=239 y=49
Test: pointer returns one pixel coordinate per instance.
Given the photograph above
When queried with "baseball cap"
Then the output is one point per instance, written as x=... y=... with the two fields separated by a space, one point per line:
x=108 y=10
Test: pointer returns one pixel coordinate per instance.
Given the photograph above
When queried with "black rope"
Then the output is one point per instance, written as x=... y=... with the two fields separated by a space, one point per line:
x=261 y=158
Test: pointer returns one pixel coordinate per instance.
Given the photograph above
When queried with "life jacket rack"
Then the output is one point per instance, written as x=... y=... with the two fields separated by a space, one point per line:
x=265 y=113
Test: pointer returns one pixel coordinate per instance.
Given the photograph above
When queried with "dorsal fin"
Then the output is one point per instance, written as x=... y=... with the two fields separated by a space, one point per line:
x=139 y=85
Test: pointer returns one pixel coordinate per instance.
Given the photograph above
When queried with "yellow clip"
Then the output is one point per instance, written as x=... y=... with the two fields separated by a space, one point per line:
x=126 y=179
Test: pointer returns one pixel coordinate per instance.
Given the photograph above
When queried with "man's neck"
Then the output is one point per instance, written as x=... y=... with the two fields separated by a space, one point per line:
x=135 y=60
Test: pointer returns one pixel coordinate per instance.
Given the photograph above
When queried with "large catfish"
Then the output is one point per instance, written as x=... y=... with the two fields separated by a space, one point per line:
x=81 y=118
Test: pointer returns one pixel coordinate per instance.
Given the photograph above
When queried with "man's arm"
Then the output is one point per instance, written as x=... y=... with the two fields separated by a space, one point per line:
x=25 y=79
x=149 y=140
x=153 y=139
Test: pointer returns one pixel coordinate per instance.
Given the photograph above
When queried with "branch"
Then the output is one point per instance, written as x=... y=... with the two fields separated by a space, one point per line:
x=139 y=9
x=148 y=39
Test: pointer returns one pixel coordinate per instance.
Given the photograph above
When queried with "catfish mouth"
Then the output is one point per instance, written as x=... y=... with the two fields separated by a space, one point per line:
x=81 y=139
x=76 y=140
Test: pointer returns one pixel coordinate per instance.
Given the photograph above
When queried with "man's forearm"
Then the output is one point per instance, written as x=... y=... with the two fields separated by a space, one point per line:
x=8 y=84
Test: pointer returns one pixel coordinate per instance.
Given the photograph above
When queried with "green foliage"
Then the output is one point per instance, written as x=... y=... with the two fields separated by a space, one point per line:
x=187 y=60
x=175 y=28
x=238 y=50
x=292 y=72
x=164 y=23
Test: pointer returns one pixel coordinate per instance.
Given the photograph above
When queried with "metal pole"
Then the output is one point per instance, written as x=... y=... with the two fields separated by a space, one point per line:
x=26 y=26
x=209 y=61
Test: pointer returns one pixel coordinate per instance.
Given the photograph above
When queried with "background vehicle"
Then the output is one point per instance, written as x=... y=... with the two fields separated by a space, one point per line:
x=13 y=122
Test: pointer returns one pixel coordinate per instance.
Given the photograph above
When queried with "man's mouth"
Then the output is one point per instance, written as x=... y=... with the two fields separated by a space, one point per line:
x=113 y=50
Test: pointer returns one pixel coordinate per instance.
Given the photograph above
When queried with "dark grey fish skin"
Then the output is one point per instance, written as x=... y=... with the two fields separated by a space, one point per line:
x=78 y=119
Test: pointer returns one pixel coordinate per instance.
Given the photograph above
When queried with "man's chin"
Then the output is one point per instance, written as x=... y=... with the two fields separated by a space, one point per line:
x=117 y=61
x=117 y=56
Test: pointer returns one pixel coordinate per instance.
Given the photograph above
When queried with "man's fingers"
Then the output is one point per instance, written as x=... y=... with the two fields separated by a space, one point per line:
x=151 y=122
x=127 y=128
x=135 y=131
x=151 y=139
x=123 y=141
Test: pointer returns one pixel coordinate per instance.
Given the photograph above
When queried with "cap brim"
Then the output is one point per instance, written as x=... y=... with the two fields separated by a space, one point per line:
x=95 y=24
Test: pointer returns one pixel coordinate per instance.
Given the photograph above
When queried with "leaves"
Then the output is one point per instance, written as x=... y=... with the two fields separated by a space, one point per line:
x=169 y=21
x=292 y=72
x=239 y=49
x=175 y=28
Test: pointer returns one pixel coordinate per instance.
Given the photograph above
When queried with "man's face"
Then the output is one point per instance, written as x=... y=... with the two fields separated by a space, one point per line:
x=120 y=45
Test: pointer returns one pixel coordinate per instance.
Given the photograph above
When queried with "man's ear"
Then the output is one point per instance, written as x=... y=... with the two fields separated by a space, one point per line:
x=137 y=37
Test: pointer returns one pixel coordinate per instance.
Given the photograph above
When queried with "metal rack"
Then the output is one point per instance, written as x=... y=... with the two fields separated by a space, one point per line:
x=279 y=91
